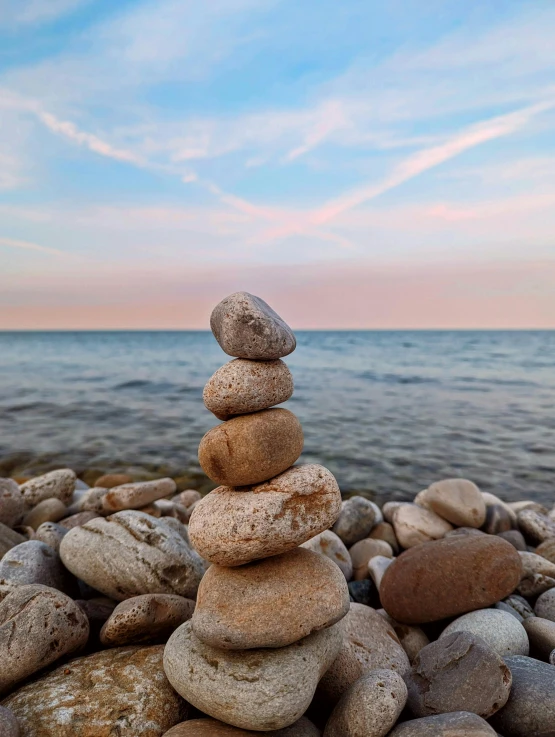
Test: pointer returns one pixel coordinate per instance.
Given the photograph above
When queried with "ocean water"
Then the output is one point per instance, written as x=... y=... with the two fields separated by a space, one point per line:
x=388 y=412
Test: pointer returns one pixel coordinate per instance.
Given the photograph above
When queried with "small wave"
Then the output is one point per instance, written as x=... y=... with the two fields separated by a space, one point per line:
x=396 y=378
x=134 y=384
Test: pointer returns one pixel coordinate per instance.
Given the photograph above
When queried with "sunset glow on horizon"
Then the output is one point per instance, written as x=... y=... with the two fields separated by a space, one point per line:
x=361 y=165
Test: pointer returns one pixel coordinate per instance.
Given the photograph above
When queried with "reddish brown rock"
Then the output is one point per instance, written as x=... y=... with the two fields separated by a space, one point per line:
x=251 y=448
x=449 y=577
x=121 y=692
x=109 y=480
x=269 y=603
x=145 y=618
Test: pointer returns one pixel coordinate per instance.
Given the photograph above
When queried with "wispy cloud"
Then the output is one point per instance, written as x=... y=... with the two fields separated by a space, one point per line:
x=32 y=12
x=26 y=246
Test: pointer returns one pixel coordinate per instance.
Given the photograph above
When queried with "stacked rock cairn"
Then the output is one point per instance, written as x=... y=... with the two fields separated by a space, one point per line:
x=265 y=627
x=280 y=609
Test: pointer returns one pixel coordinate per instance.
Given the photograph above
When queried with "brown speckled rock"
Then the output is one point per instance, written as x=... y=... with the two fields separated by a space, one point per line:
x=59 y=484
x=269 y=603
x=232 y=527
x=455 y=724
x=259 y=689
x=11 y=503
x=109 y=480
x=370 y=707
x=9 y=726
x=246 y=327
x=214 y=728
x=38 y=625
x=251 y=448
x=369 y=643
x=458 y=501
x=131 y=553
x=448 y=577
x=187 y=497
x=538 y=574
x=145 y=618
x=242 y=386
x=459 y=672
x=121 y=692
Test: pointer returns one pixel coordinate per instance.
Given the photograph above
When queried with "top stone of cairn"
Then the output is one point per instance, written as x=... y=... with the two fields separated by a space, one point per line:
x=246 y=327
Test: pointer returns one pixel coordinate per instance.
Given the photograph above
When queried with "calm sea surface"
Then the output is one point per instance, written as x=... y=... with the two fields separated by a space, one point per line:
x=387 y=412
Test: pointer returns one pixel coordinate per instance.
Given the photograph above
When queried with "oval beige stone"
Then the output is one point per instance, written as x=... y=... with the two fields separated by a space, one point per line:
x=449 y=577
x=121 y=692
x=269 y=603
x=458 y=501
x=414 y=525
x=242 y=386
x=145 y=618
x=136 y=495
x=251 y=448
x=109 y=480
x=370 y=643
x=49 y=510
x=259 y=689
x=361 y=553
x=232 y=527
x=38 y=625
x=131 y=553
x=246 y=327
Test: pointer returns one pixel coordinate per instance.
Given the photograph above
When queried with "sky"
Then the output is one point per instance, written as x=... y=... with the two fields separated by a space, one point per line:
x=358 y=164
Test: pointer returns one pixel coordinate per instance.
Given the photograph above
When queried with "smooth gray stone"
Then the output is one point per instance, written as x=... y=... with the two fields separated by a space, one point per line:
x=355 y=521
x=530 y=710
x=35 y=562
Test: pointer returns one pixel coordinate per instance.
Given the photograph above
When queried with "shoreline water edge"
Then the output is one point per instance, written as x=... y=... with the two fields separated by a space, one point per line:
x=270 y=604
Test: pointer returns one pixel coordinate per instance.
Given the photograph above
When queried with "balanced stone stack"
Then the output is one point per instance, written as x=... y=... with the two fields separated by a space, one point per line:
x=266 y=626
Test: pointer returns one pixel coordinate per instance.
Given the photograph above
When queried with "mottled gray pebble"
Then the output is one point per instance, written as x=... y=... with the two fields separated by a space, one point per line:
x=536 y=527
x=515 y=537
x=9 y=726
x=355 y=521
x=35 y=562
x=59 y=484
x=545 y=605
x=9 y=539
x=11 y=503
x=51 y=534
x=501 y=631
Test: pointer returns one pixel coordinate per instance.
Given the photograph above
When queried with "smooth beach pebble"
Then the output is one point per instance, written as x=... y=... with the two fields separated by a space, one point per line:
x=377 y=566
x=385 y=531
x=541 y=634
x=145 y=618
x=76 y=520
x=187 y=497
x=36 y=562
x=458 y=501
x=498 y=520
x=536 y=527
x=38 y=625
x=121 y=692
x=130 y=553
x=361 y=553
x=9 y=726
x=500 y=630
x=11 y=503
x=455 y=724
x=49 y=510
x=363 y=592
x=232 y=527
x=520 y=605
x=260 y=689
x=530 y=710
x=250 y=449
x=515 y=537
x=370 y=707
x=213 y=728
x=355 y=522
x=414 y=525
x=329 y=544
x=246 y=327
x=545 y=605
x=242 y=386
x=136 y=495
x=449 y=577
x=269 y=603
x=538 y=575
x=458 y=672
x=389 y=509
x=59 y=484
x=9 y=539
x=412 y=638
x=370 y=643
x=109 y=480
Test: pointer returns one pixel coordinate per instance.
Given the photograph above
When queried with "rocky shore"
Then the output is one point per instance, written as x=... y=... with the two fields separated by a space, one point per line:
x=270 y=605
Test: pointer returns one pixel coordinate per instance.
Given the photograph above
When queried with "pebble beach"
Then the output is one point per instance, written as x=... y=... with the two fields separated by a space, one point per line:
x=264 y=599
